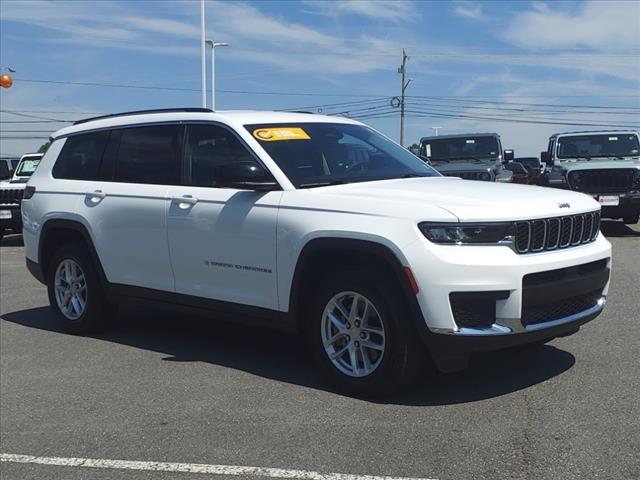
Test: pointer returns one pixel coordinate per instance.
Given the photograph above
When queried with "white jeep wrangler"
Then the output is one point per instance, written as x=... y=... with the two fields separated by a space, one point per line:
x=309 y=223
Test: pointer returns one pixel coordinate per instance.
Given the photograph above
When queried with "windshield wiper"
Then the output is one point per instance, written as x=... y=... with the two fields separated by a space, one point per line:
x=413 y=175
x=322 y=184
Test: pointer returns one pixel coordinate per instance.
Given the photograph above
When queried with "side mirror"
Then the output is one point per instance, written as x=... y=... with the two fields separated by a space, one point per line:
x=545 y=158
x=415 y=151
x=507 y=156
x=245 y=176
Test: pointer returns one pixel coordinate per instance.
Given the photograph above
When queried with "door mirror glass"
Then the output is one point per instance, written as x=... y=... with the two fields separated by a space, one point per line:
x=246 y=175
x=545 y=157
x=508 y=156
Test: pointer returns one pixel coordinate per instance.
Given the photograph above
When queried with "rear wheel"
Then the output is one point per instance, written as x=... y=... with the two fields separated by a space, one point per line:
x=360 y=334
x=75 y=293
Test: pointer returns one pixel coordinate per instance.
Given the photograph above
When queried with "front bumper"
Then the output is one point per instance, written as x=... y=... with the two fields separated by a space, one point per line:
x=443 y=270
x=629 y=203
x=13 y=222
x=452 y=352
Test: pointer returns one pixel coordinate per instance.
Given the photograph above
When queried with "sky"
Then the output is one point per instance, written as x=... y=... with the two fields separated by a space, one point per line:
x=522 y=69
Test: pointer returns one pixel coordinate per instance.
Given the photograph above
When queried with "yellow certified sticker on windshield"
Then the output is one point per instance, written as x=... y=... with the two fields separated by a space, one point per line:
x=280 y=133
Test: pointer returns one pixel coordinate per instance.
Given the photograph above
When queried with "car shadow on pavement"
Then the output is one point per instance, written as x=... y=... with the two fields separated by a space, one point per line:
x=12 y=241
x=617 y=229
x=283 y=357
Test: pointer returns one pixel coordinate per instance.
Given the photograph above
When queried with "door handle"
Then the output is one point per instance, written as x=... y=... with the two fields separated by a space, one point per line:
x=185 y=201
x=96 y=196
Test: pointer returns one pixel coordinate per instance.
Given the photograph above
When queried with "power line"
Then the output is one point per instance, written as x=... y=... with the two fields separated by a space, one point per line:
x=4 y=137
x=610 y=111
x=35 y=121
x=50 y=111
x=317 y=94
x=471 y=100
x=420 y=113
x=27 y=115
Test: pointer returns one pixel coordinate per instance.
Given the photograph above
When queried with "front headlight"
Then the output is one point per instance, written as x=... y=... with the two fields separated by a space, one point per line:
x=461 y=233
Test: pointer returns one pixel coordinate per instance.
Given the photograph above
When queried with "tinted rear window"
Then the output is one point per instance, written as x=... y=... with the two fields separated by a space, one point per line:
x=81 y=156
x=149 y=155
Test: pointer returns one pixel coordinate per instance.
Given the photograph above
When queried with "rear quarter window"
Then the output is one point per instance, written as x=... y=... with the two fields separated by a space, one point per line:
x=81 y=156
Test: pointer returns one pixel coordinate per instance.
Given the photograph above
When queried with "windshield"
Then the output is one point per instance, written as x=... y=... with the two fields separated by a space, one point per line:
x=27 y=167
x=461 y=148
x=602 y=145
x=318 y=154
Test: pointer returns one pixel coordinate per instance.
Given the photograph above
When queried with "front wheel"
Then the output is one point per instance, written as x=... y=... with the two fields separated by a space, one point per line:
x=360 y=335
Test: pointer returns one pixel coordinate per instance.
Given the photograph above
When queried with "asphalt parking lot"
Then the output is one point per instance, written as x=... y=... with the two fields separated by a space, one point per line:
x=161 y=387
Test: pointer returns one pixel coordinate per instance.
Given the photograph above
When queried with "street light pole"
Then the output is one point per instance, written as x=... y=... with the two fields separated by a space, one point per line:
x=213 y=46
x=436 y=129
x=203 y=60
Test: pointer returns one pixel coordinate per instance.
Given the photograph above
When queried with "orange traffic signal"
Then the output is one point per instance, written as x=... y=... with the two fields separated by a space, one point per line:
x=6 y=81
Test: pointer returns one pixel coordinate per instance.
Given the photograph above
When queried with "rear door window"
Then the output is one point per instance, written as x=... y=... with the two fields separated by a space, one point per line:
x=149 y=155
x=81 y=156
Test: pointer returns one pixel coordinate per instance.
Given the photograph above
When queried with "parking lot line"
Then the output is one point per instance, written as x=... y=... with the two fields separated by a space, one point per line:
x=229 y=470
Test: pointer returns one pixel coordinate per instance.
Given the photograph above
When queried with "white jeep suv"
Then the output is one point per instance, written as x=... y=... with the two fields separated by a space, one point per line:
x=309 y=223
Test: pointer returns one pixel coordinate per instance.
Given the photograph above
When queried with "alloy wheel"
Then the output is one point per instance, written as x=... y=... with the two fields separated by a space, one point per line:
x=353 y=334
x=70 y=289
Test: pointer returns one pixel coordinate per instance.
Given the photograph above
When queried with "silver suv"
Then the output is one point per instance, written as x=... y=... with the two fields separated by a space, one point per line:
x=604 y=165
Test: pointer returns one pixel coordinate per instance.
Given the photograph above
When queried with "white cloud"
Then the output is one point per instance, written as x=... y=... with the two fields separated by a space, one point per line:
x=470 y=11
x=264 y=37
x=248 y=23
x=395 y=11
x=614 y=24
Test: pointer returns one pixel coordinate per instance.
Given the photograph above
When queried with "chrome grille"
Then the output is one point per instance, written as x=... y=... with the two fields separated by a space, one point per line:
x=553 y=233
x=578 y=230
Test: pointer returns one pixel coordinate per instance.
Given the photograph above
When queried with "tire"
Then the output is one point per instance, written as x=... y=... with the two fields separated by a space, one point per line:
x=398 y=355
x=538 y=344
x=631 y=218
x=86 y=284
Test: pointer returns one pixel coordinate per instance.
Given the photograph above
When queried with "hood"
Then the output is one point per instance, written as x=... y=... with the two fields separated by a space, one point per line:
x=467 y=200
x=599 y=164
x=18 y=183
x=19 y=180
x=11 y=184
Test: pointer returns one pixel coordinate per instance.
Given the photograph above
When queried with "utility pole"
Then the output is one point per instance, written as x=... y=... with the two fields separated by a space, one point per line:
x=404 y=85
x=203 y=59
x=436 y=129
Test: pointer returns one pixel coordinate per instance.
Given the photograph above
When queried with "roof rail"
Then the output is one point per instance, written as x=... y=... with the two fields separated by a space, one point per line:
x=295 y=111
x=142 y=112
